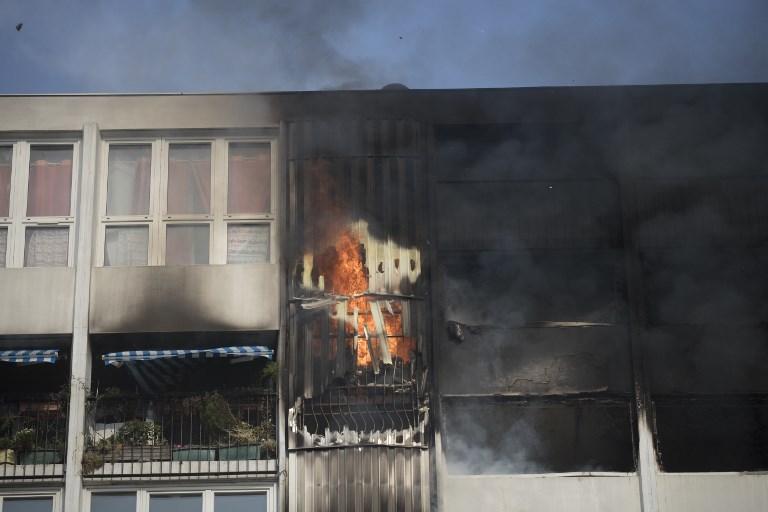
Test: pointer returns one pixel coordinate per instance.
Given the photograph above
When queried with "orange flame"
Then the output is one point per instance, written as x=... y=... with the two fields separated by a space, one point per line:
x=344 y=273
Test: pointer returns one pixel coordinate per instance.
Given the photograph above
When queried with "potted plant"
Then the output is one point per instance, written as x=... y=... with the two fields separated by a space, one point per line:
x=138 y=440
x=45 y=447
x=213 y=412
x=249 y=442
x=97 y=453
x=7 y=454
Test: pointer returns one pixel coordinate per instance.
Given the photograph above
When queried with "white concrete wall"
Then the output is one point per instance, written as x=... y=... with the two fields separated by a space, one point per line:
x=714 y=492
x=541 y=493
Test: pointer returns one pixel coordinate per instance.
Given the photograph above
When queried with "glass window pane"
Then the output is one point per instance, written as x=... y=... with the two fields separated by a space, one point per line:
x=247 y=243
x=128 y=181
x=249 y=178
x=27 y=504
x=175 y=503
x=189 y=178
x=50 y=181
x=126 y=246
x=240 y=503
x=3 y=245
x=113 y=502
x=186 y=244
x=46 y=247
x=5 y=180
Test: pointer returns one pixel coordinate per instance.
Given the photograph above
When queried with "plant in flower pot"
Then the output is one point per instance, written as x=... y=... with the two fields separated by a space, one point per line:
x=23 y=442
x=7 y=454
x=210 y=410
x=41 y=447
x=247 y=442
x=138 y=440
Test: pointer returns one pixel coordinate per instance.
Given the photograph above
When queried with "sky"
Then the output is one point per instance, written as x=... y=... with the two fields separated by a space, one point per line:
x=131 y=46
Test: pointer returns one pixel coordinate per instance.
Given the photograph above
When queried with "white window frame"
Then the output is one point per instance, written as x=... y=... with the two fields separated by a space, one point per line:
x=18 y=222
x=159 y=219
x=209 y=492
x=35 y=493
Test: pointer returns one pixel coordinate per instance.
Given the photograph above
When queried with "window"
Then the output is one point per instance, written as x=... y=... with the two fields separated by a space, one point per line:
x=187 y=202
x=124 y=502
x=189 y=500
x=37 y=190
x=176 y=503
x=30 y=504
x=240 y=502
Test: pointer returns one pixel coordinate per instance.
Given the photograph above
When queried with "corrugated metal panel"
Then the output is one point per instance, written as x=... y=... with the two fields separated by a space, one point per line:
x=371 y=478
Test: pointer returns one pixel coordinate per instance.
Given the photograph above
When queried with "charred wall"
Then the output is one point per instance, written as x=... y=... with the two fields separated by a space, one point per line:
x=598 y=258
x=534 y=368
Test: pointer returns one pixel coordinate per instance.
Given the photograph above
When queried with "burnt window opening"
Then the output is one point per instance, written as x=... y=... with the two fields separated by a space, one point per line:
x=691 y=285
x=534 y=288
x=351 y=383
x=357 y=372
x=712 y=433
x=510 y=435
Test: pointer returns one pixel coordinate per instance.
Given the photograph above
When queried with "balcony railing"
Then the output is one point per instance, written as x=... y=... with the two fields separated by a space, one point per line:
x=33 y=433
x=202 y=435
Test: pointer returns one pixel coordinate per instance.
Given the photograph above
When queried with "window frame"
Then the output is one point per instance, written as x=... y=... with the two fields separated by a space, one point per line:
x=18 y=221
x=209 y=492
x=158 y=219
x=55 y=496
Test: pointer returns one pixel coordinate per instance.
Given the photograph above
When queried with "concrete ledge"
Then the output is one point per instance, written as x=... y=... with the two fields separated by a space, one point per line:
x=184 y=298
x=36 y=300
x=609 y=492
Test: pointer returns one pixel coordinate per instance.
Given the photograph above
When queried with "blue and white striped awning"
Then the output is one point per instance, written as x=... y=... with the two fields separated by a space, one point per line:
x=118 y=358
x=29 y=356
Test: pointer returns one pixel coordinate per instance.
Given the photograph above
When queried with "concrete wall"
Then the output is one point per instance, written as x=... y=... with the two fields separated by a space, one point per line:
x=715 y=492
x=541 y=493
x=36 y=300
x=185 y=298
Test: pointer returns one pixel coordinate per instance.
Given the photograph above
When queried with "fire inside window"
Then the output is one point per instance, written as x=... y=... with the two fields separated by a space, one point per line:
x=358 y=308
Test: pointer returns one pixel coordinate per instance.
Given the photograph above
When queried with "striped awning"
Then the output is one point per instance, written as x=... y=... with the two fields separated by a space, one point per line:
x=118 y=358
x=29 y=356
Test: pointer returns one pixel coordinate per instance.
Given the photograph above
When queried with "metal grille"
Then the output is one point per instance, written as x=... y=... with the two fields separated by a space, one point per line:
x=34 y=433
x=180 y=436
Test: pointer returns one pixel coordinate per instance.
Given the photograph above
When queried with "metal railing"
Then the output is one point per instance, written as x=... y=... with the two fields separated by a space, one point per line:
x=33 y=434
x=183 y=435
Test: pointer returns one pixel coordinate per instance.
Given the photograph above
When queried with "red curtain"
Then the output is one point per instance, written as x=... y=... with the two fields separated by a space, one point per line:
x=249 y=182
x=189 y=186
x=141 y=187
x=49 y=188
x=5 y=188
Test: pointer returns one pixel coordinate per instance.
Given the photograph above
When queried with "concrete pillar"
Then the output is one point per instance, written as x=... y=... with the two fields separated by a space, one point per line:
x=81 y=354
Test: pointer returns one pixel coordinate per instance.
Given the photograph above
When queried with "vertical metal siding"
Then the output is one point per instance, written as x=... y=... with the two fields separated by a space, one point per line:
x=359 y=479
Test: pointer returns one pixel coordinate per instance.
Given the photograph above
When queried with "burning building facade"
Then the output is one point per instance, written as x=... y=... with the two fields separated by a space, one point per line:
x=523 y=299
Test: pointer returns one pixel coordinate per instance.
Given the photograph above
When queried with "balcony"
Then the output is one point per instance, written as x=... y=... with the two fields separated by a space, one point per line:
x=33 y=433
x=186 y=435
